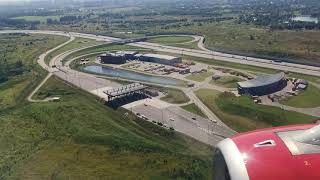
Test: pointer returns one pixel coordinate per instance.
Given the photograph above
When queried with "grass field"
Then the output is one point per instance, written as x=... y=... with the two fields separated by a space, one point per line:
x=99 y=49
x=309 y=98
x=193 y=45
x=77 y=43
x=199 y=76
x=79 y=137
x=241 y=114
x=174 y=96
x=170 y=39
x=42 y=19
x=194 y=109
x=227 y=81
x=253 y=69
x=231 y=36
x=24 y=48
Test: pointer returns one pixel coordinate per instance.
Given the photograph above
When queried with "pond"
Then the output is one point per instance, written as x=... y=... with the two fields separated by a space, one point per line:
x=108 y=71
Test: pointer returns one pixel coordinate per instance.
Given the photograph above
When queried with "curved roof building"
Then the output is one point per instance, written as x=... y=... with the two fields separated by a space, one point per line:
x=262 y=85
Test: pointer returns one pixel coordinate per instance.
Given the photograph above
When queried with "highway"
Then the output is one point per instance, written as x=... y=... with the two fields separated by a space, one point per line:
x=204 y=53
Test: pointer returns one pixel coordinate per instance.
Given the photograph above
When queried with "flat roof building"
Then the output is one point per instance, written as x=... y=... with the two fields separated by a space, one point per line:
x=119 y=57
x=263 y=85
x=111 y=58
x=161 y=59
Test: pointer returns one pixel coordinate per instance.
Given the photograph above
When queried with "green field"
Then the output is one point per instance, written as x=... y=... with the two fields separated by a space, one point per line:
x=199 y=76
x=227 y=81
x=252 y=69
x=231 y=36
x=79 y=137
x=309 y=98
x=194 y=109
x=77 y=43
x=242 y=114
x=192 y=45
x=170 y=39
x=174 y=96
x=24 y=49
x=100 y=49
x=42 y=19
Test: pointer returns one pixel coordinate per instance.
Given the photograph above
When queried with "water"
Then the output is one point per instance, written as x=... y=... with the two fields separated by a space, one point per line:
x=130 y=75
x=305 y=19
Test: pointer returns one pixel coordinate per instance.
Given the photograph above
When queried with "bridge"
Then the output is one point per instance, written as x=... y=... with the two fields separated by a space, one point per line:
x=126 y=90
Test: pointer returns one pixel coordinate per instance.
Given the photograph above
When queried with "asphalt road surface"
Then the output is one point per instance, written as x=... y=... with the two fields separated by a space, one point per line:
x=199 y=128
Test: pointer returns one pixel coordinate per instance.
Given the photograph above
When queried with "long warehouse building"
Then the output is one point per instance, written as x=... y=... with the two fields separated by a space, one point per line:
x=263 y=85
x=160 y=59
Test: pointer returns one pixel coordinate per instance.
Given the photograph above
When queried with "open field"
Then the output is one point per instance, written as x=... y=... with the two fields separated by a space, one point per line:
x=309 y=98
x=194 y=109
x=174 y=96
x=253 y=69
x=79 y=137
x=242 y=114
x=42 y=19
x=100 y=49
x=199 y=76
x=77 y=43
x=242 y=38
x=227 y=81
x=19 y=63
x=192 y=45
x=170 y=39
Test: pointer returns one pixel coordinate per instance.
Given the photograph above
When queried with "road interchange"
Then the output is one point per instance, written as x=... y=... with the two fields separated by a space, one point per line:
x=90 y=82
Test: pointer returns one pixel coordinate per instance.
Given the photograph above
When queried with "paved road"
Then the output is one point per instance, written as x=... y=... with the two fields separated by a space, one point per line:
x=200 y=128
x=265 y=63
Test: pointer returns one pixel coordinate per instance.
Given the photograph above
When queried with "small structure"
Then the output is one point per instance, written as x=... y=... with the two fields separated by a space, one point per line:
x=111 y=58
x=302 y=81
x=263 y=85
x=184 y=71
x=190 y=84
x=216 y=77
x=152 y=92
x=161 y=59
x=125 y=91
x=128 y=55
x=301 y=87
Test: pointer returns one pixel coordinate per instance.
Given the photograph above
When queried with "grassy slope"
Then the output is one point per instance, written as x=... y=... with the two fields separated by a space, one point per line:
x=306 y=99
x=175 y=96
x=79 y=137
x=170 y=39
x=242 y=114
x=199 y=76
x=19 y=47
x=77 y=43
x=194 y=109
x=227 y=81
x=100 y=48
